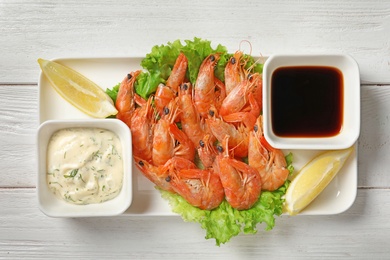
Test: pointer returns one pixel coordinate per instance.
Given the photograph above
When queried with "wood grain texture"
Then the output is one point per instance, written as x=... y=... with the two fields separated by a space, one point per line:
x=30 y=29
x=374 y=141
x=19 y=123
x=26 y=232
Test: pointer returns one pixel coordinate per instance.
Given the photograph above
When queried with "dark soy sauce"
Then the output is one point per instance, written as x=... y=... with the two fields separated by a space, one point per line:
x=306 y=101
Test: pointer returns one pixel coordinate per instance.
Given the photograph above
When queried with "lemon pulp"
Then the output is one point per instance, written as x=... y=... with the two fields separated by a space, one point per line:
x=78 y=90
x=313 y=178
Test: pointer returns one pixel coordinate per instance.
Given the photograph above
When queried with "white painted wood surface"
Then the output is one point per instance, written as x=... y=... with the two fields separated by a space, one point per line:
x=49 y=29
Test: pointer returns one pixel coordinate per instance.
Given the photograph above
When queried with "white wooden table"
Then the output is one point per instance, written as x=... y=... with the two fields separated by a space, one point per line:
x=50 y=29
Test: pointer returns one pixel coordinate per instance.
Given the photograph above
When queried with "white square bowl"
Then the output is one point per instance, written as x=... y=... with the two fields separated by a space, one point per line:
x=350 y=129
x=53 y=206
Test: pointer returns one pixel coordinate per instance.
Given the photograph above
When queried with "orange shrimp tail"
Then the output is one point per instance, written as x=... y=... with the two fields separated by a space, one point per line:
x=178 y=73
x=140 y=101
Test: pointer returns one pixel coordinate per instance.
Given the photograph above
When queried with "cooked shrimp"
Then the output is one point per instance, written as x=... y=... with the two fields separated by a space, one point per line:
x=178 y=74
x=234 y=71
x=163 y=141
x=142 y=125
x=204 y=93
x=125 y=103
x=268 y=161
x=241 y=182
x=275 y=172
x=189 y=116
x=201 y=188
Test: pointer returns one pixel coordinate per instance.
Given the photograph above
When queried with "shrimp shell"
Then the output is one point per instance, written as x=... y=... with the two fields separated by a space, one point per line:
x=201 y=188
x=204 y=94
x=241 y=182
x=125 y=103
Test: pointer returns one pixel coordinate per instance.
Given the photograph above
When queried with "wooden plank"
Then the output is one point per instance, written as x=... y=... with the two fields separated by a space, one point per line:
x=374 y=148
x=30 y=29
x=19 y=122
x=34 y=29
x=359 y=232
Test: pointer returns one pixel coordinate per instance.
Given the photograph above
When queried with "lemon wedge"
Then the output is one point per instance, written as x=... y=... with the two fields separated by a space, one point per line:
x=78 y=90
x=313 y=178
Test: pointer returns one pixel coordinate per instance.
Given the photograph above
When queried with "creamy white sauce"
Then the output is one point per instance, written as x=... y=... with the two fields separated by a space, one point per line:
x=84 y=165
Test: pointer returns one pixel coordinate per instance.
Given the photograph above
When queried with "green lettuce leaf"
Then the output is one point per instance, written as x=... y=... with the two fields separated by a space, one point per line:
x=113 y=93
x=159 y=63
x=162 y=58
x=225 y=222
x=289 y=161
x=197 y=50
x=147 y=83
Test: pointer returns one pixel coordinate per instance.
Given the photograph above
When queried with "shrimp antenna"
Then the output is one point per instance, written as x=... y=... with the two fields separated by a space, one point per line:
x=155 y=115
x=260 y=60
x=249 y=43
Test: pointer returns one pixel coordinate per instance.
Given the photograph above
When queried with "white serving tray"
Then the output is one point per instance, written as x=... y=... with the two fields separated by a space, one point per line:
x=107 y=72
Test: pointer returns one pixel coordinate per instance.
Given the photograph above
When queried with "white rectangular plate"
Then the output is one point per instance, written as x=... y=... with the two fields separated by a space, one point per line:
x=107 y=72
